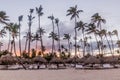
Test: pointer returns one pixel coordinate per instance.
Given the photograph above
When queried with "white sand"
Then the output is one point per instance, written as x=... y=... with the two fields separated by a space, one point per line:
x=65 y=74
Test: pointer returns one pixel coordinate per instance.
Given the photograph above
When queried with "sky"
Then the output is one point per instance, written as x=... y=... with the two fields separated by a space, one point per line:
x=108 y=9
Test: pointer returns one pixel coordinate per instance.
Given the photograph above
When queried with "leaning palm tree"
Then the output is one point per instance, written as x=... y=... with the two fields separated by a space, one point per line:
x=67 y=37
x=30 y=19
x=57 y=24
x=19 y=20
x=74 y=12
x=53 y=31
x=81 y=26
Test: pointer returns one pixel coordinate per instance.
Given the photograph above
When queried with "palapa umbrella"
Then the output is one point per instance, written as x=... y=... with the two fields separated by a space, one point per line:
x=39 y=59
x=56 y=60
x=92 y=60
x=111 y=60
x=7 y=59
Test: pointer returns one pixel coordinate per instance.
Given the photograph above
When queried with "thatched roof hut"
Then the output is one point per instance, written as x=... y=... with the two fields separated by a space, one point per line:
x=111 y=60
x=39 y=59
x=92 y=60
x=56 y=60
x=7 y=59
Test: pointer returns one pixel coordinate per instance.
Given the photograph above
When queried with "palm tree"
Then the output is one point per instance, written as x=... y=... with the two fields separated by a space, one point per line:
x=74 y=12
x=55 y=37
x=19 y=20
x=36 y=38
x=14 y=33
x=57 y=24
x=81 y=26
x=3 y=18
x=67 y=37
x=39 y=14
x=110 y=35
x=52 y=19
x=41 y=32
x=91 y=28
x=115 y=32
x=96 y=18
x=104 y=32
x=30 y=18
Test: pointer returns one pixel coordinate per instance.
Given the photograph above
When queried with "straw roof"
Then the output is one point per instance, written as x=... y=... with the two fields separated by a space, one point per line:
x=72 y=60
x=81 y=60
x=56 y=60
x=39 y=59
x=110 y=60
x=92 y=60
x=7 y=59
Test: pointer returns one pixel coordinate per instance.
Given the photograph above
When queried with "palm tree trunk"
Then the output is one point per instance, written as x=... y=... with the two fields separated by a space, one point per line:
x=112 y=43
x=83 y=43
x=109 y=46
x=26 y=44
x=19 y=39
x=69 y=46
x=53 y=46
x=59 y=39
x=98 y=46
x=75 y=37
x=36 y=44
x=29 y=40
x=9 y=42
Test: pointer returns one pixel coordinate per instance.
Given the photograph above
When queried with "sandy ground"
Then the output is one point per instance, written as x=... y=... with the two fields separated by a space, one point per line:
x=65 y=74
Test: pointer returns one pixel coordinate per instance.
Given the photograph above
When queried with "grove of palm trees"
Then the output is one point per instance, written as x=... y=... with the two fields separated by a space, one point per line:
x=87 y=46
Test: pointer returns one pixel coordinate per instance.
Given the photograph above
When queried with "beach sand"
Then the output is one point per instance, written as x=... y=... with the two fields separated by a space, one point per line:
x=63 y=74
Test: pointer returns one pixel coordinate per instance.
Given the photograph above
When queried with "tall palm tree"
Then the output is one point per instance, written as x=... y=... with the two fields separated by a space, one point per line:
x=67 y=37
x=81 y=26
x=57 y=24
x=53 y=31
x=3 y=17
x=19 y=20
x=39 y=14
x=30 y=19
x=74 y=12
